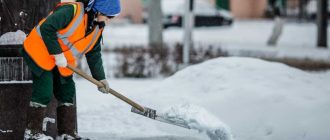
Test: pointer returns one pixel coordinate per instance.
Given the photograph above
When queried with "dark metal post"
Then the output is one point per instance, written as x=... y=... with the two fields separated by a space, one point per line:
x=322 y=23
x=302 y=9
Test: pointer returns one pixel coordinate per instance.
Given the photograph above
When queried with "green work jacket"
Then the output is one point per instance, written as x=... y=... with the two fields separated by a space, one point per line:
x=60 y=18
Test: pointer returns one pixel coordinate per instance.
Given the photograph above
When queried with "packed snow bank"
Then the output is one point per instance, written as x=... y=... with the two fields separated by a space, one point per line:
x=12 y=38
x=258 y=99
x=198 y=118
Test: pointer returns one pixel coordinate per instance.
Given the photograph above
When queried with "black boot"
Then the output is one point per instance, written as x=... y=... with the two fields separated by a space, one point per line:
x=66 y=123
x=35 y=119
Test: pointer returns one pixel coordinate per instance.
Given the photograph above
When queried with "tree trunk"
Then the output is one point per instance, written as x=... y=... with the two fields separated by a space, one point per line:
x=322 y=23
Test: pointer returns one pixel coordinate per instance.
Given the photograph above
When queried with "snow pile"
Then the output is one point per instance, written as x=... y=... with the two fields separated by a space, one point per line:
x=198 y=118
x=10 y=38
x=258 y=99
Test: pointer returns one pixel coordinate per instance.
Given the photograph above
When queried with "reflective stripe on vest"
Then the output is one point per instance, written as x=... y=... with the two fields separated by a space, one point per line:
x=64 y=37
x=78 y=54
x=75 y=24
x=72 y=39
x=74 y=50
x=79 y=49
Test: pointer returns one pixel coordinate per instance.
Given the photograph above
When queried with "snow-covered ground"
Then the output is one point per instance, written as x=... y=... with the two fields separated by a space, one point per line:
x=256 y=99
x=242 y=32
x=243 y=38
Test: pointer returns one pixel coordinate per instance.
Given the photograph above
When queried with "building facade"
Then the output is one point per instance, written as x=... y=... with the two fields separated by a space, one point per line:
x=246 y=9
x=240 y=9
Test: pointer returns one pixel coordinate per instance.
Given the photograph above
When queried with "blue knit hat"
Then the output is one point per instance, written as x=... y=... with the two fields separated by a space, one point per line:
x=106 y=7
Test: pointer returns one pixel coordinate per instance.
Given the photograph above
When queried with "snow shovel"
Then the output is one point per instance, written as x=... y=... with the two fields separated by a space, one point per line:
x=113 y=92
x=136 y=108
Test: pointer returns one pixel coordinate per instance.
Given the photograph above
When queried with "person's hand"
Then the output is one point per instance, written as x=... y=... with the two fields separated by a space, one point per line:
x=105 y=88
x=60 y=60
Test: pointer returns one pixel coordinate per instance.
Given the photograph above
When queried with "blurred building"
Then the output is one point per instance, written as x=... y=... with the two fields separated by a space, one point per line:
x=133 y=10
x=244 y=9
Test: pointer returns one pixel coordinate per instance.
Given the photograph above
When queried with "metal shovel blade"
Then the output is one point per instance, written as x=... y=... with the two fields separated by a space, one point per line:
x=148 y=112
x=152 y=114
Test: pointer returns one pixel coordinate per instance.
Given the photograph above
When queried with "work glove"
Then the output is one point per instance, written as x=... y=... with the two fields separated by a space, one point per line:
x=60 y=60
x=105 y=88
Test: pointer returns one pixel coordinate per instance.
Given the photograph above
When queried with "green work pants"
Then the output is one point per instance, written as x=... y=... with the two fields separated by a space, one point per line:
x=49 y=83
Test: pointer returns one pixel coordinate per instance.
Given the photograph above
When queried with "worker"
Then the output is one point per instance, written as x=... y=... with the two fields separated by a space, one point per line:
x=70 y=31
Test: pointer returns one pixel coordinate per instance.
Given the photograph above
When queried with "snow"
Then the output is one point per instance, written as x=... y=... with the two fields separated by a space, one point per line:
x=256 y=100
x=15 y=82
x=12 y=38
x=201 y=7
x=198 y=118
x=6 y=131
x=311 y=7
x=242 y=32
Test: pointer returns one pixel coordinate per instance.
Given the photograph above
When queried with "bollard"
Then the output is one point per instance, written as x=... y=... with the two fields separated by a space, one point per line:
x=15 y=77
x=15 y=94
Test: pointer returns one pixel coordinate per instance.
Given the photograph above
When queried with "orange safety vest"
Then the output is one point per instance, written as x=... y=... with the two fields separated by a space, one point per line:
x=72 y=40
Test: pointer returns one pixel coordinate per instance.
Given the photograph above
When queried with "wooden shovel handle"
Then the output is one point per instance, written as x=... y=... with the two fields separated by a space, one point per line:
x=99 y=84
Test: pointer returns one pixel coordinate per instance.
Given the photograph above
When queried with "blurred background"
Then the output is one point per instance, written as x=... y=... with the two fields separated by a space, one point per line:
x=154 y=38
x=158 y=38
x=153 y=54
